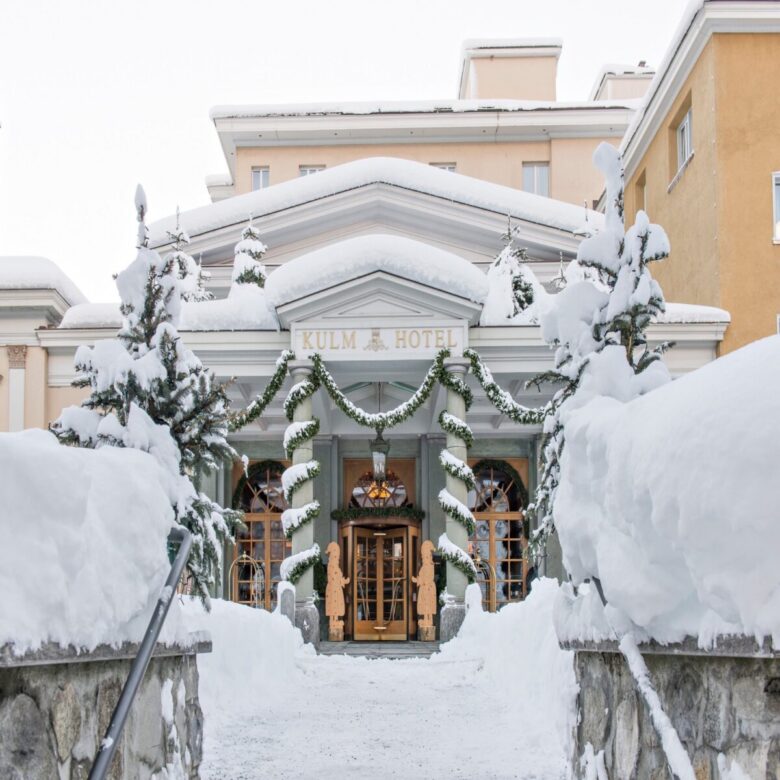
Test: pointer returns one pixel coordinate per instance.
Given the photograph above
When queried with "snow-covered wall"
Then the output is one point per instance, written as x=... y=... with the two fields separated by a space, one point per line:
x=83 y=556
x=671 y=500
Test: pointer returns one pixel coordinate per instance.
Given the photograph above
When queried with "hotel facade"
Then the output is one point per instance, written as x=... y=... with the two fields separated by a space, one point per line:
x=381 y=222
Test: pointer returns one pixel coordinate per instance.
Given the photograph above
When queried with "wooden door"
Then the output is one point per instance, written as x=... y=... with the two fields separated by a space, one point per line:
x=380 y=584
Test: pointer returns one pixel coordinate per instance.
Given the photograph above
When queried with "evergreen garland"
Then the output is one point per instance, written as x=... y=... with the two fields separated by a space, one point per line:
x=458 y=558
x=299 y=433
x=260 y=404
x=451 y=424
x=299 y=392
x=299 y=564
x=457 y=510
x=293 y=519
x=378 y=512
x=310 y=471
x=456 y=468
x=500 y=399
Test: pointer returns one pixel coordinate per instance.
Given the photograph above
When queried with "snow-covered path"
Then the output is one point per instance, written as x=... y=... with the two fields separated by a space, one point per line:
x=461 y=714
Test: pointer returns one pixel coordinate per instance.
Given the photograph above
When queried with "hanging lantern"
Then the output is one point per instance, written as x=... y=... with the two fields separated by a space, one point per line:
x=379 y=449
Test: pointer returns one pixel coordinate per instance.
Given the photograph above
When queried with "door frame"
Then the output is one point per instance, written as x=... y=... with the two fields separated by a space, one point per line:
x=347 y=534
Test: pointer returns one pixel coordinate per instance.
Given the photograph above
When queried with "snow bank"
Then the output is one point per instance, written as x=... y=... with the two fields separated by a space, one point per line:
x=253 y=659
x=363 y=255
x=93 y=315
x=37 y=273
x=669 y=500
x=83 y=556
x=519 y=651
x=407 y=174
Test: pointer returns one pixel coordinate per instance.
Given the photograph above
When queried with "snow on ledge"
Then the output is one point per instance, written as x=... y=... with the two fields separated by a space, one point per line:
x=406 y=174
x=92 y=315
x=359 y=256
x=37 y=273
x=691 y=312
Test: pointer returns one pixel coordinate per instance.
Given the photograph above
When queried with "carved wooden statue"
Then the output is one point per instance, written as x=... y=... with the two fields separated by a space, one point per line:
x=334 y=594
x=426 y=594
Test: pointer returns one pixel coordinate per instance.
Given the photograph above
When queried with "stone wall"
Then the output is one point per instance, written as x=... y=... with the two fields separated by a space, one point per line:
x=55 y=707
x=726 y=701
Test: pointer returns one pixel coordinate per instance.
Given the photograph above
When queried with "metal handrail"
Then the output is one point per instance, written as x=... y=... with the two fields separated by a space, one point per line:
x=141 y=662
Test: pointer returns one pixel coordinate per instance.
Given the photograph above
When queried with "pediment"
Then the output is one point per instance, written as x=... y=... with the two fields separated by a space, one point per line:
x=379 y=299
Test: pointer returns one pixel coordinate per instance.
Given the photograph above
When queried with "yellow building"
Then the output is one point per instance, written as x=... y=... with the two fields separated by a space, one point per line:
x=703 y=159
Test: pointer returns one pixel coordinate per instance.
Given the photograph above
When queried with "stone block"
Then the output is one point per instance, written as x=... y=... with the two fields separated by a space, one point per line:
x=426 y=633
x=307 y=619
x=65 y=719
x=25 y=748
x=450 y=620
x=108 y=694
x=287 y=604
x=626 y=737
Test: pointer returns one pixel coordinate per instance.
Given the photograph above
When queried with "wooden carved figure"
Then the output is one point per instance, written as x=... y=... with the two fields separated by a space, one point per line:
x=334 y=594
x=426 y=593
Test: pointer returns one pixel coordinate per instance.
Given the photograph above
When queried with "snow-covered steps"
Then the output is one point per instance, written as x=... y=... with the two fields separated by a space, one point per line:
x=392 y=650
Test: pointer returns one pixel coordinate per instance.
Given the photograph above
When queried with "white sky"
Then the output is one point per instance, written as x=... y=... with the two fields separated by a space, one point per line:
x=98 y=95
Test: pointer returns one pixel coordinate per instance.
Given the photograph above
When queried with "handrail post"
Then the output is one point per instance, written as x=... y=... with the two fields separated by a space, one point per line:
x=141 y=662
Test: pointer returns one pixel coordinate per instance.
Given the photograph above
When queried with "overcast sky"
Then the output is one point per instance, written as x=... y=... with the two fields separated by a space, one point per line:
x=97 y=96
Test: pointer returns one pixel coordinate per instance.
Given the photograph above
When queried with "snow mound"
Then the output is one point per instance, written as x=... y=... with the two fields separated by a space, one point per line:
x=518 y=649
x=84 y=556
x=406 y=174
x=363 y=255
x=37 y=273
x=253 y=657
x=669 y=500
x=93 y=315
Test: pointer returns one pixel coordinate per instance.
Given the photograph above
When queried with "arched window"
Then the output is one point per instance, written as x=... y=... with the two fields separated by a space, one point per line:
x=499 y=542
x=368 y=494
x=261 y=548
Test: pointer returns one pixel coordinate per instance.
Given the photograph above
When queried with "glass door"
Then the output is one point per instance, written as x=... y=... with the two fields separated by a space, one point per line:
x=380 y=584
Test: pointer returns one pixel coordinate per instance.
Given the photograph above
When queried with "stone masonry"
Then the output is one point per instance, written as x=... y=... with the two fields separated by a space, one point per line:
x=725 y=701
x=55 y=708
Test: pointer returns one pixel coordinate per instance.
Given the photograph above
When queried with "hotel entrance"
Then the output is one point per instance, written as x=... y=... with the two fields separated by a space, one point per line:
x=379 y=536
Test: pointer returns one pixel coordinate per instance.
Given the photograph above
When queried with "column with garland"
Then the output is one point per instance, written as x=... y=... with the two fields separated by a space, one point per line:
x=453 y=543
x=298 y=485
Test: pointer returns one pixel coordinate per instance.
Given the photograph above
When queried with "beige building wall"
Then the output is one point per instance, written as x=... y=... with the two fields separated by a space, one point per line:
x=57 y=398
x=573 y=177
x=3 y=389
x=718 y=213
x=511 y=78
x=748 y=104
x=688 y=207
x=35 y=382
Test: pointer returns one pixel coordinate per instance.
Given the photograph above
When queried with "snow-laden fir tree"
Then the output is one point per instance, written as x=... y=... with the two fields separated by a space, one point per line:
x=510 y=283
x=191 y=274
x=149 y=392
x=598 y=328
x=248 y=267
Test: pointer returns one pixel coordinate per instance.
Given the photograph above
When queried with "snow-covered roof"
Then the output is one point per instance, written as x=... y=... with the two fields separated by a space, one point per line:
x=363 y=255
x=691 y=312
x=445 y=106
x=511 y=43
x=92 y=315
x=37 y=273
x=377 y=170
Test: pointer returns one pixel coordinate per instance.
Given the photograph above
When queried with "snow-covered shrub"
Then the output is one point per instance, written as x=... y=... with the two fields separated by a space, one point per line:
x=149 y=392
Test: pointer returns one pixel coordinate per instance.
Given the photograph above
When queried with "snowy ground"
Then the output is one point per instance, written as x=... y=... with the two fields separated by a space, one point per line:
x=495 y=704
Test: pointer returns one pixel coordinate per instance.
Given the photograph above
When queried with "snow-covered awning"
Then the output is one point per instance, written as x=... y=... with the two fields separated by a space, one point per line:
x=37 y=273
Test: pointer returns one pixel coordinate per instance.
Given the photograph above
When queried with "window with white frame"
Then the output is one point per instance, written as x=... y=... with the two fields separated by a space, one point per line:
x=445 y=166
x=260 y=178
x=536 y=178
x=684 y=140
x=307 y=170
x=776 y=203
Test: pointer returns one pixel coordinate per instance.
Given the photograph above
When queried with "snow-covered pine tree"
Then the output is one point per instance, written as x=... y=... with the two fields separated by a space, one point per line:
x=248 y=267
x=621 y=261
x=191 y=274
x=598 y=329
x=149 y=392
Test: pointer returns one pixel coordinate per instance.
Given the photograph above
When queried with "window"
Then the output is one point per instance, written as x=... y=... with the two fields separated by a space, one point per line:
x=260 y=178
x=684 y=140
x=367 y=493
x=776 y=202
x=536 y=178
x=261 y=548
x=307 y=170
x=445 y=166
x=499 y=542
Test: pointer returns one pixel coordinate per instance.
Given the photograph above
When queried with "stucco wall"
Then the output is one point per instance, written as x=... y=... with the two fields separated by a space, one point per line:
x=748 y=67
x=512 y=78
x=572 y=175
x=689 y=211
